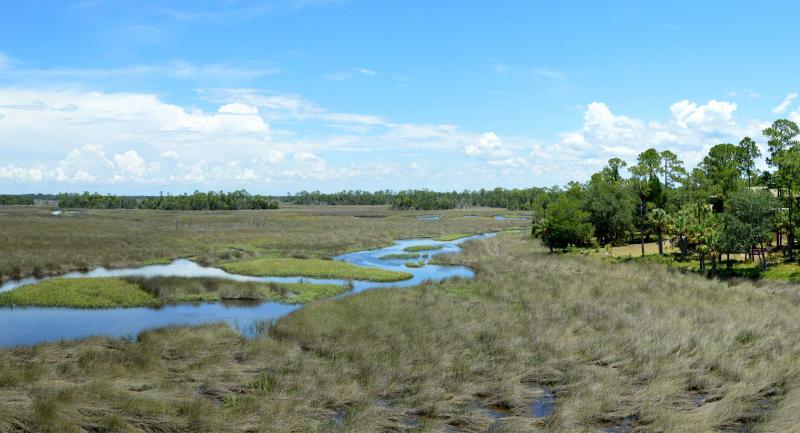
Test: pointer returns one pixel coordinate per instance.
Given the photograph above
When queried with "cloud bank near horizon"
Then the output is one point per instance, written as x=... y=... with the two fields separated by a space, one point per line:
x=74 y=139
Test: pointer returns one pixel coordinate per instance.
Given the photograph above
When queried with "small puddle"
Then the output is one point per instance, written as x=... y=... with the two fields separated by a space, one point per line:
x=429 y=218
x=338 y=417
x=511 y=218
x=544 y=405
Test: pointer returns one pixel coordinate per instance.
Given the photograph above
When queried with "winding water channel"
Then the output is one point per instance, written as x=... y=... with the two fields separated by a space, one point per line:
x=32 y=325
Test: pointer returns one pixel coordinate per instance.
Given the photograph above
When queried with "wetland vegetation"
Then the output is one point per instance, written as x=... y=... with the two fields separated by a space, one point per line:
x=156 y=291
x=645 y=352
x=418 y=248
x=34 y=242
x=314 y=268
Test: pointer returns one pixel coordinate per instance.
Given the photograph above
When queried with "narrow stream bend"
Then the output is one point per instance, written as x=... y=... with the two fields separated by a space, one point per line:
x=32 y=325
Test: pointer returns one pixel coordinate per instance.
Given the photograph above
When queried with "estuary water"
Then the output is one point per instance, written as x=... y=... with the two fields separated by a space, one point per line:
x=32 y=325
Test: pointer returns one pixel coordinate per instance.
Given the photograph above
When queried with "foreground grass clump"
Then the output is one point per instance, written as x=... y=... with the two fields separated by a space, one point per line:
x=81 y=293
x=312 y=268
x=624 y=347
x=451 y=237
x=400 y=256
x=415 y=248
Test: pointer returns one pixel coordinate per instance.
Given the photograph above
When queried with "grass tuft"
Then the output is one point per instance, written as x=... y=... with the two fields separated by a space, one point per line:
x=312 y=268
x=400 y=256
x=415 y=248
x=451 y=237
x=81 y=293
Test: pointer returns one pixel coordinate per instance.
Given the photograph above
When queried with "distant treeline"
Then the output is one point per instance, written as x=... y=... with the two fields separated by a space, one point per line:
x=357 y=197
x=236 y=200
x=514 y=199
x=24 y=199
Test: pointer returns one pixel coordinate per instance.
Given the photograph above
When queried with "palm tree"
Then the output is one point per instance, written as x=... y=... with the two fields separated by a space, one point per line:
x=661 y=221
x=682 y=230
x=539 y=230
x=703 y=235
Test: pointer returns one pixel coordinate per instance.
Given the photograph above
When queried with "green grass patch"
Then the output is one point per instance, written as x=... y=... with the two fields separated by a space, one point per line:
x=178 y=290
x=149 y=292
x=400 y=256
x=415 y=248
x=451 y=237
x=418 y=264
x=313 y=268
x=81 y=293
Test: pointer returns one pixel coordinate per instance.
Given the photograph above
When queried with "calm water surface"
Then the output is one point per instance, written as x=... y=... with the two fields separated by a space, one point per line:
x=25 y=326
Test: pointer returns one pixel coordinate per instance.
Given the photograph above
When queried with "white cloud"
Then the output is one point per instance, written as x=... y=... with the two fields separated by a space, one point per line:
x=691 y=129
x=238 y=108
x=487 y=145
x=130 y=162
x=83 y=165
x=713 y=116
x=365 y=71
x=508 y=162
x=339 y=76
x=12 y=173
x=785 y=103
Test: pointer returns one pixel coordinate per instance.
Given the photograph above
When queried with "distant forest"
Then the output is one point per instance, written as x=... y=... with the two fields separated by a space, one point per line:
x=236 y=200
x=24 y=199
x=512 y=199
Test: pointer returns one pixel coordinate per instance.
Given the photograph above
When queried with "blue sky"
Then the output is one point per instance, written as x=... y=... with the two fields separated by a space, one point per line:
x=285 y=95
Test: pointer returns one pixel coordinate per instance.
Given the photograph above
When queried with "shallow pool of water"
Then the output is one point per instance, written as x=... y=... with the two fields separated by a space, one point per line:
x=511 y=218
x=25 y=326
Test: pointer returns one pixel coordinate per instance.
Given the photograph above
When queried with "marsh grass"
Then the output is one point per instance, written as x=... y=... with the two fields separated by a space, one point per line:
x=415 y=264
x=313 y=268
x=36 y=242
x=400 y=256
x=178 y=290
x=451 y=237
x=149 y=292
x=416 y=248
x=80 y=292
x=631 y=346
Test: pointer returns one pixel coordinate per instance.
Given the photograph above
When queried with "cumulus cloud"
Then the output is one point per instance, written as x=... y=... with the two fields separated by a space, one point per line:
x=130 y=163
x=238 y=108
x=259 y=139
x=487 y=145
x=12 y=173
x=785 y=103
x=147 y=140
x=690 y=130
x=712 y=116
